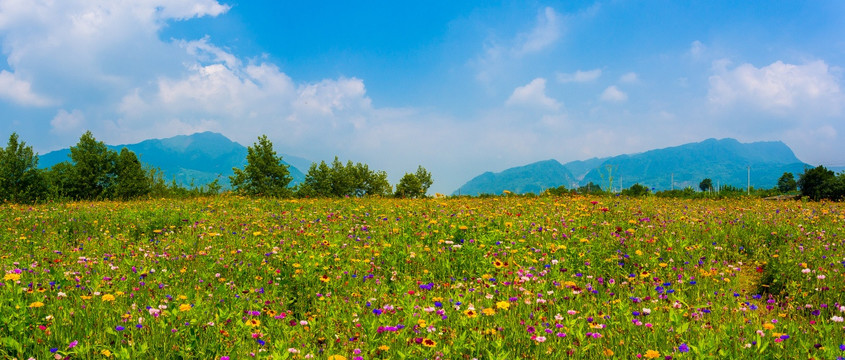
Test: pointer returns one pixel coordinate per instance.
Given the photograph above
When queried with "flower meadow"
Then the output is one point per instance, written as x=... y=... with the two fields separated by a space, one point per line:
x=495 y=278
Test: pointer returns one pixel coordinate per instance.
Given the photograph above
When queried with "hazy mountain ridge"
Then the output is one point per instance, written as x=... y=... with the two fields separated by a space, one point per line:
x=534 y=177
x=724 y=161
x=200 y=157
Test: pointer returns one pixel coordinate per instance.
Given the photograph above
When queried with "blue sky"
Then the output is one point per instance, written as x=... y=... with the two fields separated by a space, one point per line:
x=458 y=87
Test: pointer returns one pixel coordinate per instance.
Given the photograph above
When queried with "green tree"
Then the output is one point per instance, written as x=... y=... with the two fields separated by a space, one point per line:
x=818 y=183
x=131 y=181
x=414 y=185
x=787 y=183
x=377 y=184
x=93 y=168
x=264 y=174
x=636 y=190
x=409 y=187
x=317 y=181
x=590 y=188
x=60 y=181
x=706 y=184
x=341 y=180
x=20 y=179
x=425 y=179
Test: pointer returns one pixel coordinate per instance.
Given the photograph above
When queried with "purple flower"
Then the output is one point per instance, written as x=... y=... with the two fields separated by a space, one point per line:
x=119 y=328
x=377 y=311
x=72 y=344
x=683 y=348
x=224 y=358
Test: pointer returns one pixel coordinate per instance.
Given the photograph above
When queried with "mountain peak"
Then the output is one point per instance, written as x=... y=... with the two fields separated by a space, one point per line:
x=200 y=157
x=725 y=161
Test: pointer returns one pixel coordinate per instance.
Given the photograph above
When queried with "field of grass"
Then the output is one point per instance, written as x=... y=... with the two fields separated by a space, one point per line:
x=495 y=278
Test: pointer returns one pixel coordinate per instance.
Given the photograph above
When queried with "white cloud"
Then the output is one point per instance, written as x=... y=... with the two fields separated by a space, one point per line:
x=579 y=76
x=19 y=91
x=547 y=30
x=697 y=49
x=65 y=121
x=778 y=88
x=499 y=55
x=77 y=51
x=630 y=77
x=533 y=95
x=613 y=94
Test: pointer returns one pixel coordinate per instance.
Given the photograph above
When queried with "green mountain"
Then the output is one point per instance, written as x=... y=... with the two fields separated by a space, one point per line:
x=199 y=158
x=725 y=162
x=533 y=178
x=580 y=168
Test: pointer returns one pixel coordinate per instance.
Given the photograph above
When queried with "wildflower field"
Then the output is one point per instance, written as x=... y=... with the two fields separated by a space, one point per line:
x=495 y=278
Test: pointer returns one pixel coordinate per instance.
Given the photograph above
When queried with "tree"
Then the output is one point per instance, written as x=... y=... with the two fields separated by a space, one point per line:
x=425 y=179
x=787 y=183
x=20 y=179
x=93 y=168
x=590 y=188
x=264 y=174
x=343 y=180
x=706 y=184
x=817 y=183
x=131 y=181
x=414 y=185
x=636 y=190
x=409 y=187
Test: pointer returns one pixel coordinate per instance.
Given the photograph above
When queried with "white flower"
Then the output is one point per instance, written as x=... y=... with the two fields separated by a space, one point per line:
x=837 y=318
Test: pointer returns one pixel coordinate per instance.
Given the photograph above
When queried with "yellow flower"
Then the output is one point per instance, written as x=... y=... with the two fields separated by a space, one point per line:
x=768 y=326
x=184 y=307
x=253 y=323
x=470 y=313
x=36 y=304
x=651 y=354
x=108 y=297
x=12 y=277
x=324 y=278
x=504 y=305
x=337 y=357
x=106 y=353
x=489 y=311
x=384 y=348
x=428 y=342
x=608 y=352
x=463 y=227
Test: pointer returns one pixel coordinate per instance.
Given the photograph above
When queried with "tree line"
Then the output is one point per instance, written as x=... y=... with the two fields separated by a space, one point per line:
x=95 y=172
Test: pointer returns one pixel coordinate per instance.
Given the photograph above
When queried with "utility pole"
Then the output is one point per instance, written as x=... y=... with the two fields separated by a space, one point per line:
x=748 y=186
x=673 y=181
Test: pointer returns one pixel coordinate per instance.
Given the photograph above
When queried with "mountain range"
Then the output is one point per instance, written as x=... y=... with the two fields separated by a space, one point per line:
x=199 y=158
x=724 y=161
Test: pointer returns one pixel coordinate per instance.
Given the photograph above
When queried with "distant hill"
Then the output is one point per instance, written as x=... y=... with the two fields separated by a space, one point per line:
x=201 y=158
x=580 y=168
x=724 y=161
x=533 y=178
